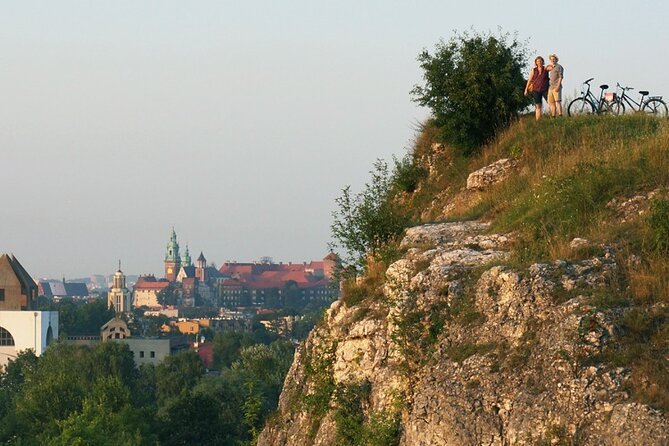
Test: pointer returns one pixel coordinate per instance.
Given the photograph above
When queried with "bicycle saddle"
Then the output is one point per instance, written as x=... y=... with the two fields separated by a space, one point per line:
x=643 y=92
x=603 y=86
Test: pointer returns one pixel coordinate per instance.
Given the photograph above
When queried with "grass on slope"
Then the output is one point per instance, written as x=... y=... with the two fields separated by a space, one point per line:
x=568 y=170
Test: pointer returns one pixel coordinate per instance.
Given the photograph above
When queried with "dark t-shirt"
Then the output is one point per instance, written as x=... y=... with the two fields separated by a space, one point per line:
x=540 y=80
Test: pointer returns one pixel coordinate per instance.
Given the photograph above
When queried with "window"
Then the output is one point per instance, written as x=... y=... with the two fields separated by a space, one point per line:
x=2 y=294
x=153 y=354
x=6 y=338
x=141 y=354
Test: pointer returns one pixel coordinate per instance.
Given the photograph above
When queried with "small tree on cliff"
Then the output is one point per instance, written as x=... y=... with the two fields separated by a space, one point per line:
x=473 y=85
x=366 y=222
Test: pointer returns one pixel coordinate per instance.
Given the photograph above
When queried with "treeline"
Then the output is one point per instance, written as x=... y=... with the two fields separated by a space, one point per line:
x=78 y=318
x=96 y=396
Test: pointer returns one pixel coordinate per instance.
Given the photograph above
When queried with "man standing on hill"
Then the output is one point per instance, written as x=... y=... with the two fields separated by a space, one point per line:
x=555 y=74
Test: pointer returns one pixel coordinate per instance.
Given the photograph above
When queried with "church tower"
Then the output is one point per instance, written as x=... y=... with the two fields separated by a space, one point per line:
x=172 y=259
x=185 y=258
x=201 y=268
x=118 y=297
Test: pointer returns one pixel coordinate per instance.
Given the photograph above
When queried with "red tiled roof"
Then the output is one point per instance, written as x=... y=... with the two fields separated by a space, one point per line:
x=154 y=284
x=230 y=268
x=273 y=275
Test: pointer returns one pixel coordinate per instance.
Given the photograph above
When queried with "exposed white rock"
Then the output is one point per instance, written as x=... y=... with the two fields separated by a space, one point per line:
x=491 y=174
x=508 y=369
x=630 y=208
x=578 y=243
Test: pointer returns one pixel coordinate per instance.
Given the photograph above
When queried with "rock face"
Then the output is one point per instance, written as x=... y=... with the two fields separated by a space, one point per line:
x=462 y=349
x=489 y=175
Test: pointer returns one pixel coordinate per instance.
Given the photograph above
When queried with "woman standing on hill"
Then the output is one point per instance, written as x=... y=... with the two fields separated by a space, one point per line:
x=537 y=84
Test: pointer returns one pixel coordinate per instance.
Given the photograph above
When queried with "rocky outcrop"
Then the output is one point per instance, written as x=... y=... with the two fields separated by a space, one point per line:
x=630 y=208
x=463 y=349
x=491 y=174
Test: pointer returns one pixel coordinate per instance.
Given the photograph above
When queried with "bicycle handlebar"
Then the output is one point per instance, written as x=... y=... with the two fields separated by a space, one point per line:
x=624 y=88
x=589 y=80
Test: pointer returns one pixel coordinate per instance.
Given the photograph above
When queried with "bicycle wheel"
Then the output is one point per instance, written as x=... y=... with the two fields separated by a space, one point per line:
x=617 y=108
x=580 y=106
x=655 y=107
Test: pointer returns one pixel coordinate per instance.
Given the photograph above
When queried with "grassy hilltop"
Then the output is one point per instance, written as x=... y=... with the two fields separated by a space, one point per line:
x=604 y=180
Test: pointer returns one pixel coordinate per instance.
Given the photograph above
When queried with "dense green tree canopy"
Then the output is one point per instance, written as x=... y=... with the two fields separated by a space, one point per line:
x=75 y=395
x=473 y=85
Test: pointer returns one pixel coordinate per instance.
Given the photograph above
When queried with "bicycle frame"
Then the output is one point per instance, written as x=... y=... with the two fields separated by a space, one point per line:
x=628 y=100
x=598 y=104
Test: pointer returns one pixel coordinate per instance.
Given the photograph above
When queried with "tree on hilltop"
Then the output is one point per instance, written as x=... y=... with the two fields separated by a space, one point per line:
x=473 y=85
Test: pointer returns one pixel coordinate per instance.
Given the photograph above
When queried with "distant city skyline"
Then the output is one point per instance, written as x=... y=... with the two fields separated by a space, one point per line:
x=239 y=123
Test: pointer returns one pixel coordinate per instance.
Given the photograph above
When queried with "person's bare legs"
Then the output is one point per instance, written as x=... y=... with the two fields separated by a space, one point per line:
x=558 y=107
x=551 y=106
x=537 y=111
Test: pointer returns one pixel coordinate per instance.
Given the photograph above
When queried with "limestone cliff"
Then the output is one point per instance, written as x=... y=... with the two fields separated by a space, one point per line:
x=462 y=348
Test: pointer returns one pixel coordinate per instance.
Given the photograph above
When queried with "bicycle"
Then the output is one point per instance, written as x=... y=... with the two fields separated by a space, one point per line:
x=653 y=105
x=587 y=103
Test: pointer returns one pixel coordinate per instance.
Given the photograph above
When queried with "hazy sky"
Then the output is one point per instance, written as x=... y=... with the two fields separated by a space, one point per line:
x=238 y=123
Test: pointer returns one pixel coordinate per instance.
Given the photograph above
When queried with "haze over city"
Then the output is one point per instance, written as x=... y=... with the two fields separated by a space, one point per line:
x=238 y=124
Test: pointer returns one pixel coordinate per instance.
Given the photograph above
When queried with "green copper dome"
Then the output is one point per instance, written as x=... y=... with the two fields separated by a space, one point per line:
x=185 y=258
x=172 y=253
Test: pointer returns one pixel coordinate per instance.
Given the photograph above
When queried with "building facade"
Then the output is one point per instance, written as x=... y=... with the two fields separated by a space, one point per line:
x=118 y=297
x=146 y=290
x=277 y=284
x=154 y=350
x=21 y=327
x=116 y=328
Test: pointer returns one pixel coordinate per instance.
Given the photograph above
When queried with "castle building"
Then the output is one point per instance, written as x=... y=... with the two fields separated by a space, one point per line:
x=197 y=281
x=119 y=298
x=146 y=291
x=172 y=259
x=270 y=284
x=21 y=327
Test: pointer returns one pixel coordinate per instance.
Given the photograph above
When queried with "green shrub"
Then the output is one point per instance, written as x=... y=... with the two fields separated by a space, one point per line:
x=474 y=86
x=658 y=222
x=354 y=427
x=318 y=365
x=349 y=415
x=383 y=428
x=367 y=222
x=407 y=174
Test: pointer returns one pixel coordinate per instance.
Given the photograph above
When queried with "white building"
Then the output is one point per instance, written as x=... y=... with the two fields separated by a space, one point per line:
x=119 y=298
x=21 y=327
x=22 y=330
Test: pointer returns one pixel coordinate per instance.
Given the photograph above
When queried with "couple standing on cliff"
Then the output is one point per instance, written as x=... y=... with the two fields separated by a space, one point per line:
x=545 y=83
